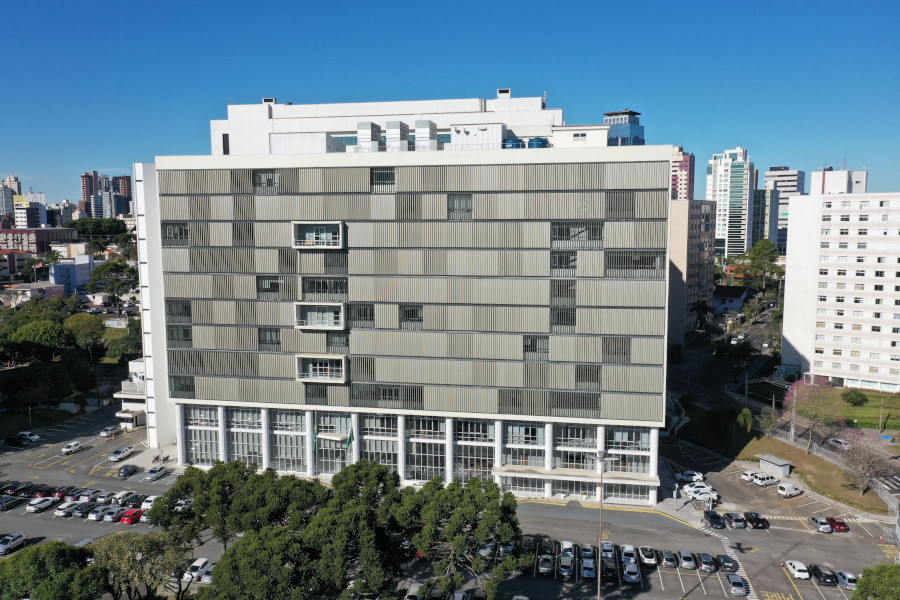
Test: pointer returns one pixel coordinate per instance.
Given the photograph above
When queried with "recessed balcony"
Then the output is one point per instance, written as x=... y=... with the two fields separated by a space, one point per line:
x=322 y=368
x=320 y=315
x=316 y=235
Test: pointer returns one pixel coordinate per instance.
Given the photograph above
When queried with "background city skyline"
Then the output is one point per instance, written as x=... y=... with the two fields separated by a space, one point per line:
x=798 y=84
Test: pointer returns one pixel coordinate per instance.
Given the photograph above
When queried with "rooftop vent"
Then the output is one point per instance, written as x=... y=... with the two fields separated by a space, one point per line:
x=504 y=93
x=270 y=100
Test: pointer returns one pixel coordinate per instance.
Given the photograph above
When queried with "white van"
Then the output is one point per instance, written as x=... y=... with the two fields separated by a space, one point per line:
x=415 y=592
x=763 y=480
x=788 y=490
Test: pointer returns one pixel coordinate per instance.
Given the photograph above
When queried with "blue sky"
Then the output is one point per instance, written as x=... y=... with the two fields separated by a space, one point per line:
x=101 y=85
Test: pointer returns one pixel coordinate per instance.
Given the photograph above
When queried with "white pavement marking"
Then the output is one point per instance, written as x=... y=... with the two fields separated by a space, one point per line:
x=703 y=587
x=808 y=503
x=719 y=577
x=659 y=574
x=816 y=585
x=864 y=529
x=683 y=590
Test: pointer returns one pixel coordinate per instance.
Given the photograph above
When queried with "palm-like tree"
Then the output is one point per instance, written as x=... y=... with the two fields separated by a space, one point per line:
x=745 y=419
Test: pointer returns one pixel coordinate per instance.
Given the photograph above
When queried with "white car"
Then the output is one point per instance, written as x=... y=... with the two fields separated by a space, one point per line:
x=703 y=494
x=567 y=549
x=40 y=504
x=696 y=486
x=111 y=430
x=122 y=497
x=588 y=569
x=749 y=475
x=629 y=555
x=197 y=569
x=607 y=550
x=105 y=497
x=11 y=541
x=155 y=473
x=846 y=580
x=29 y=435
x=631 y=574
x=838 y=443
x=147 y=504
x=71 y=448
x=65 y=509
x=689 y=477
x=797 y=569
x=120 y=453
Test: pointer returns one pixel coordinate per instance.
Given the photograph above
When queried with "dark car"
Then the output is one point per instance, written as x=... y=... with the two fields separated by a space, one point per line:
x=822 y=575
x=527 y=545
x=127 y=470
x=43 y=491
x=837 y=524
x=10 y=488
x=14 y=441
x=83 y=510
x=713 y=519
x=735 y=521
x=726 y=563
x=135 y=501
x=668 y=559
x=609 y=569
x=10 y=502
x=755 y=520
x=61 y=492
x=548 y=547
x=25 y=490
x=74 y=493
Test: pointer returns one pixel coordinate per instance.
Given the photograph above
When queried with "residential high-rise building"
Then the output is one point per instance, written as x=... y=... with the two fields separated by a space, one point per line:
x=60 y=214
x=12 y=182
x=788 y=183
x=96 y=207
x=458 y=307
x=88 y=187
x=29 y=215
x=692 y=265
x=121 y=186
x=6 y=200
x=765 y=216
x=829 y=181
x=842 y=296
x=625 y=128
x=729 y=182
x=682 y=174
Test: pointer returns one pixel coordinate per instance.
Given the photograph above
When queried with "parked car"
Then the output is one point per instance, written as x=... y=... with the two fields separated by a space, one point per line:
x=111 y=430
x=749 y=475
x=65 y=509
x=822 y=575
x=687 y=560
x=797 y=569
x=197 y=569
x=40 y=504
x=208 y=577
x=135 y=501
x=9 y=488
x=43 y=491
x=62 y=491
x=838 y=443
x=629 y=555
x=820 y=524
x=788 y=490
x=703 y=494
x=736 y=585
x=708 y=563
x=566 y=549
x=587 y=551
x=527 y=544
x=566 y=566
x=84 y=509
x=132 y=516
x=123 y=496
x=547 y=547
x=668 y=559
x=74 y=494
x=99 y=512
x=487 y=548
x=71 y=448
x=14 y=441
x=837 y=524
x=756 y=520
x=155 y=473
x=609 y=569
x=11 y=541
x=607 y=550
x=726 y=563
x=713 y=519
x=647 y=555
x=735 y=521
x=689 y=477
x=105 y=497
x=127 y=471
x=26 y=490
x=695 y=486
x=29 y=435
x=504 y=550
x=90 y=495
x=115 y=513
x=121 y=453
x=764 y=480
x=631 y=573
x=545 y=564
x=845 y=580
x=10 y=502
x=588 y=569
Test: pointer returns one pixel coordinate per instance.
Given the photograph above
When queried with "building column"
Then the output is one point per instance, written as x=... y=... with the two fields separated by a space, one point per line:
x=654 y=461
x=498 y=449
x=401 y=447
x=355 y=431
x=264 y=440
x=223 y=447
x=448 y=453
x=548 y=457
x=309 y=418
x=601 y=446
x=180 y=448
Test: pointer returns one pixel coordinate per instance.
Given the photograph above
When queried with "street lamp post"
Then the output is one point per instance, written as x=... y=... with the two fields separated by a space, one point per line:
x=603 y=460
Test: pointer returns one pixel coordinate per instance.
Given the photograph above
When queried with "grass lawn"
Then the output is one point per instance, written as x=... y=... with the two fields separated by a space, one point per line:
x=823 y=475
x=11 y=424
x=868 y=415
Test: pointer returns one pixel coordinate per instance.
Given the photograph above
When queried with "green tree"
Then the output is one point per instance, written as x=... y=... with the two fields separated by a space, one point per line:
x=116 y=277
x=810 y=402
x=127 y=245
x=132 y=344
x=768 y=420
x=51 y=571
x=745 y=419
x=50 y=257
x=97 y=227
x=87 y=330
x=757 y=264
x=854 y=398
x=881 y=582
x=139 y=565
x=42 y=339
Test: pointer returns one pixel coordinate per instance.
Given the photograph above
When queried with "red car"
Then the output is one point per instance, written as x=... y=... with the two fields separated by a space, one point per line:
x=837 y=524
x=43 y=491
x=132 y=517
x=61 y=492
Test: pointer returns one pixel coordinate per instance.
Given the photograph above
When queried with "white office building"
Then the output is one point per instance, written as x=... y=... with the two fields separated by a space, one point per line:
x=454 y=288
x=842 y=295
x=788 y=182
x=729 y=182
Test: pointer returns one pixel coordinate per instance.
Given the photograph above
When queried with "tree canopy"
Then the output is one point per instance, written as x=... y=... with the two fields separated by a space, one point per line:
x=42 y=339
x=881 y=582
x=115 y=277
x=97 y=227
x=131 y=344
x=86 y=330
x=757 y=265
x=52 y=571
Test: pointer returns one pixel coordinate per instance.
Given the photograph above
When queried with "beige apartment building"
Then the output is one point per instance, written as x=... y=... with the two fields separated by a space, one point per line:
x=454 y=288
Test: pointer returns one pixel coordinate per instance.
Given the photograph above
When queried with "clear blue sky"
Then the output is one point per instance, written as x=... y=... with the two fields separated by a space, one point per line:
x=100 y=85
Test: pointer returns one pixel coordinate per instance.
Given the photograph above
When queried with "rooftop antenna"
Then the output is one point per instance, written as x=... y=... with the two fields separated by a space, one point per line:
x=545 y=98
x=230 y=102
x=845 y=159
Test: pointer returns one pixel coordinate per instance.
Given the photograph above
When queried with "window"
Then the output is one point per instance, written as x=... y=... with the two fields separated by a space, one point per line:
x=842 y=245
x=874 y=356
x=382 y=179
x=863 y=232
x=268 y=287
x=817 y=363
x=337 y=342
x=826 y=218
x=854 y=353
x=523 y=457
x=563 y=263
x=880 y=260
x=325 y=288
x=861 y=246
x=857 y=314
x=562 y=292
x=588 y=377
x=854 y=367
x=178 y=311
x=265 y=182
x=839 y=313
x=426 y=427
x=873 y=369
x=845 y=218
x=836 y=352
x=181 y=386
x=474 y=430
x=473 y=461
x=269 y=339
x=856 y=340
x=820 y=338
x=635 y=264
x=856 y=327
x=826 y=232
x=562 y=319
x=844 y=231
x=822 y=298
x=879 y=288
x=523 y=433
x=820 y=351
x=379 y=425
x=838 y=298
x=838 y=339
x=876 y=315
x=879 y=273
x=827 y=205
x=841 y=286
x=411 y=316
x=823 y=271
x=576 y=234
x=841 y=272
x=536 y=347
x=857 y=301
x=175 y=234
x=823 y=285
x=838 y=325
x=178 y=336
x=459 y=207
x=362 y=316
x=835 y=365
x=824 y=244
x=876 y=328
x=858 y=286
x=820 y=324
x=627 y=438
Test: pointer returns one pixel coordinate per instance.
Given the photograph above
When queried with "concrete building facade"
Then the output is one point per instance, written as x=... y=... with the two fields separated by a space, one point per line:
x=74 y=274
x=730 y=184
x=682 y=174
x=451 y=308
x=765 y=216
x=842 y=299
x=789 y=183
x=692 y=265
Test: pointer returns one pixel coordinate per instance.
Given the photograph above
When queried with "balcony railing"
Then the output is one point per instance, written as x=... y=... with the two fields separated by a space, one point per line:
x=331 y=240
x=335 y=373
x=319 y=321
x=132 y=387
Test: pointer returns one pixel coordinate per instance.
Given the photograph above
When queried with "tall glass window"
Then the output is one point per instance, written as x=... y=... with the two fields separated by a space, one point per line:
x=287 y=453
x=628 y=438
x=424 y=460
x=519 y=432
x=331 y=456
x=425 y=427
x=473 y=461
x=244 y=446
x=381 y=451
x=474 y=430
x=201 y=446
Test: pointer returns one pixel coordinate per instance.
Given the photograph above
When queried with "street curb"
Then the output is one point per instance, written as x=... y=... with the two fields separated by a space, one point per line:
x=606 y=507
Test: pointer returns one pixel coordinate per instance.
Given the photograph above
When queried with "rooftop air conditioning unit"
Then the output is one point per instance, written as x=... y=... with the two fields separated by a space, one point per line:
x=270 y=100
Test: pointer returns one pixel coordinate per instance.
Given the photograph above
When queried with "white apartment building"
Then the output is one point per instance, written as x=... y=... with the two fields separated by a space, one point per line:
x=454 y=288
x=729 y=182
x=842 y=295
x=788 y=182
